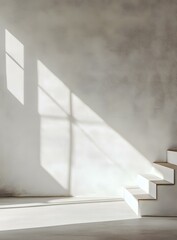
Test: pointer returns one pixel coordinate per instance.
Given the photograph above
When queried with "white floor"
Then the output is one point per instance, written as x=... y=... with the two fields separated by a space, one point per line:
x=52 y=219
x=23 y=213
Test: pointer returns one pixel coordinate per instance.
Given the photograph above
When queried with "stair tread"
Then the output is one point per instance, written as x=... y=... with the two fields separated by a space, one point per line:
x=139 y=194
x=166 y=164
x=155 y=179
x=150 y=177
x=172 y=150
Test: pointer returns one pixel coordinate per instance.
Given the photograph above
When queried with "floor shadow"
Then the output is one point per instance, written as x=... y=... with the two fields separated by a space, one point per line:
x=142 y=229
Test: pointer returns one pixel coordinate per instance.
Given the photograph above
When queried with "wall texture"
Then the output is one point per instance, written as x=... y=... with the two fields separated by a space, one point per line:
x=87 y=93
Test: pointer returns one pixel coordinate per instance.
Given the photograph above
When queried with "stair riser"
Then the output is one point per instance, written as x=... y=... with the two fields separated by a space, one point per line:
x=131 y=201
x=147 y=186
x=172 y=157
x=167 y=173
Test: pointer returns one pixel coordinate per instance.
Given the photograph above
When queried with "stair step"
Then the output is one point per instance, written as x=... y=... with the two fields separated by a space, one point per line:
x=167 y=165
x=139 y=197
x=149 y=182
x=167 y=170
x=172 y=156
x=139 y=194
x=155 y=179
x=132 y=195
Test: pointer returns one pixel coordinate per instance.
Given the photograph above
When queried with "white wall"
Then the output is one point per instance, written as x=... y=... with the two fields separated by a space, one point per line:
x=89 y=94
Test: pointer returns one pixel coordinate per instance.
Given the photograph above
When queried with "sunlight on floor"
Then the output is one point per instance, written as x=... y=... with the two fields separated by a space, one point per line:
x=59 y=212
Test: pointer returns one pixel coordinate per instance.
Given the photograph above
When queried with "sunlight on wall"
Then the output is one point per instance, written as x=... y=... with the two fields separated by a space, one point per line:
x=53 y=87
x=78 y=148
x=109 y=160
x=55 y=127
x=14 y=66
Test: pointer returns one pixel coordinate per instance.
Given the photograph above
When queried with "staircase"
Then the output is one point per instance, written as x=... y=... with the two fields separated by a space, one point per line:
x=156 y=193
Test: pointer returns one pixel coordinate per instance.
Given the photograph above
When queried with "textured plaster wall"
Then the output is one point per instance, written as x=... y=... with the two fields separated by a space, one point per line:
x=100 y=94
